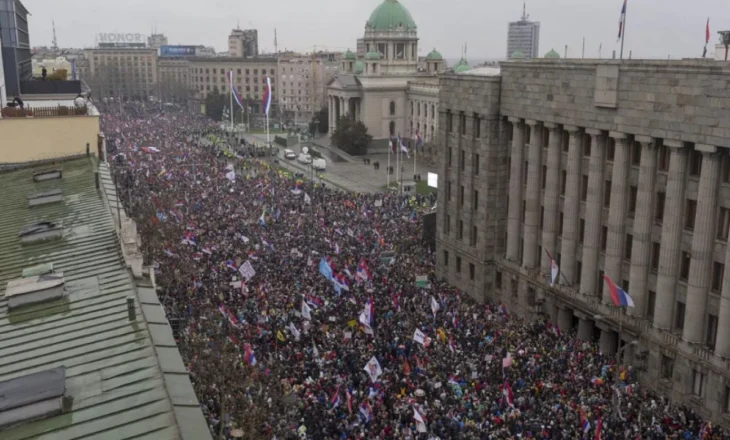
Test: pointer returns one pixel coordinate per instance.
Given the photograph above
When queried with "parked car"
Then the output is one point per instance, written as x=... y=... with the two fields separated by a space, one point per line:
x=319 y=164
x=289 y=154
x=305 y=159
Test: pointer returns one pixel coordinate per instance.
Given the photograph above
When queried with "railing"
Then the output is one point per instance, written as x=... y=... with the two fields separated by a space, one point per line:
x=44 y=112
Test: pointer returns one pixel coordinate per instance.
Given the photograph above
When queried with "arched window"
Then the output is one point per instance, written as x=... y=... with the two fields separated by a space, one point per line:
x=392 y=108
x=392 y=128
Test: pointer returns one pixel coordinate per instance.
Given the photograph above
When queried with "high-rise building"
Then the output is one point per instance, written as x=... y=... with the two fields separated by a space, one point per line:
x=523 y=37
x=120 y=72
x=303 y=84
x=16 y=52
x=154 y=41
x=243 y=43
x=544 y=189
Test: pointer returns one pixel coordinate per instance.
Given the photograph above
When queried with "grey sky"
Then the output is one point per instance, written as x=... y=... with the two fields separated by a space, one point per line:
x=656 y=28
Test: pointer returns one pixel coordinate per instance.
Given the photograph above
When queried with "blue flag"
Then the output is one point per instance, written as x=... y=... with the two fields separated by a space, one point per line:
x=325 y=269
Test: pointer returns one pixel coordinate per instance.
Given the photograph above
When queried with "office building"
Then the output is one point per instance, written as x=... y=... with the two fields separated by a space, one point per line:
x=608 y=176
x=243 y=43
x=120 y=72
x=174 y=79
x=15 y=42
x=303 y=85
x=523 y=37
x=155 y=41
x=248 y=75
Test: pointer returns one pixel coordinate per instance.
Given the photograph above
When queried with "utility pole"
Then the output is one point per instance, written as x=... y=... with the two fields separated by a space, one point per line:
x=55 y=41
x=583 y=52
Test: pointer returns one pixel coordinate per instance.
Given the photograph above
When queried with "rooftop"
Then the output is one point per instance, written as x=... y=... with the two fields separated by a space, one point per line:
x=104 y=375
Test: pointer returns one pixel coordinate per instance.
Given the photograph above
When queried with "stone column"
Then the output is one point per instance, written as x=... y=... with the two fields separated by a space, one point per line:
x=514 y=225
x=722 y=344
x=617 y=211
x=643 y=221
x=347 y=106
x=532 y=208
x=703 y=243
x=585 y=329
x=594 y=212
x=571 y=207
x=608 y=342
x=671 y=244
x=552 y=197
x=565 y=319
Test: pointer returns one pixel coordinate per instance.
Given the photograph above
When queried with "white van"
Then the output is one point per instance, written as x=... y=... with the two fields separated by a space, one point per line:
x=319 y=164
x=289 y=154
x=305 y=159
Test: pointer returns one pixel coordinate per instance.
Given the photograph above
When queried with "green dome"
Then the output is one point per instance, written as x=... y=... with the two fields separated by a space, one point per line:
x=359 y=66
x=390 y=15
x=372 y=56
x=552 y=54
x=462 y=66
x=517 y=55
x=434 y=55
x=349 y=55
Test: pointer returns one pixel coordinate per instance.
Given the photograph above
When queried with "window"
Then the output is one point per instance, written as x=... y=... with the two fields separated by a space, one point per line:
x=476 y=164
x=560 y=224
x=723 y=226
x=451 y=153
x=514 y=287
x=679 y=316
x=472 y=271
x=458 y=264
x=498 y=279
x=610 y=149
x=392 y=108
x=448 y=223
x=650 y=304
x=636 y=154
x=629 y=244
x=587 y=145
x=604 y=237
x=695 y=163
x=689 y=215
x=448 y=191
x=711 y=335
x=725 y=169
x=584 y=188
x=462 y=123
x=462 y=160
x=659 y=213
x=461 y=195
x=578 y=271
x=542 y=217
x=449 y=121
x=632 y=200
x=663 y=159
x=582 y=231
x=566 y=141
x=684 y=266
x=411 y=107
x=446 y=258
x=698 y=383
x=474 y=234
x=607 y=194
x=528 y=134
x=655 y=252
x=531 y=296
x=544 y=176
x=477 y=127
x=667 y=367
x=475 y=203
x=461 y=230
x=718 y=272
x=563 y=181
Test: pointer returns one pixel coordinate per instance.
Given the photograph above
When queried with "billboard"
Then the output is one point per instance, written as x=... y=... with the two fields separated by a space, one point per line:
x=433 y=180
x=177 y=51
x=120 y=37
x=123 y=45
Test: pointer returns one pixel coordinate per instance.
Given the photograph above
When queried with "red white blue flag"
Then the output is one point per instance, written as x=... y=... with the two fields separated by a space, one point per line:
x=622 y=21
x=618 y=296
x=234 y=91
x=267 y=96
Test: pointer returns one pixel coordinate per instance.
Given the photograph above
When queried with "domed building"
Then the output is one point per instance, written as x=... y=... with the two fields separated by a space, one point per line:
x=552 y=54
x=384 y=88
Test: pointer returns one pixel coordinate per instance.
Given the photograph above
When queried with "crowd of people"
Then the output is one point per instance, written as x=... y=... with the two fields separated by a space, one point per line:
x=313 y=313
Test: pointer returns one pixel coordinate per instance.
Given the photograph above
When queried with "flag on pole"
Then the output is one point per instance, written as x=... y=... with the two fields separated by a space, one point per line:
x=267 y=96
x=554 y=268
x=584 y=423
x=707 y=31
x=403 y=147
x=234 y=91
x=434 y=306
x=307 y=199
x=507 y=392
x=366 y=413
x=618 y=296
x=306 y=311
x=622 y=22
x=420 y=420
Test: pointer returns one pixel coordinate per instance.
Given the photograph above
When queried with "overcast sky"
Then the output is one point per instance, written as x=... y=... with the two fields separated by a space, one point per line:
x=655 y=29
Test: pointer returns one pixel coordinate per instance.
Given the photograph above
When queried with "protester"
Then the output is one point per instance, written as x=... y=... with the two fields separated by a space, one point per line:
x=330 y=337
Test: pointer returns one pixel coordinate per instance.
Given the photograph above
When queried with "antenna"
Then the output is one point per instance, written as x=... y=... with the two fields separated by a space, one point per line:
x=524 y=11
x=55 y=41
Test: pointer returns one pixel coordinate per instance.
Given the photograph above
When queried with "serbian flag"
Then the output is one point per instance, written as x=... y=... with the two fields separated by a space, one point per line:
x=362 y=271
x=452 y=346
x=335 y=400
x=231 y=265
x=234 y=91
x=507 y=392
x=622 y=22
x=248 y=355
x=349 y=400
x=188 y=238
x=366 y=413
x=455 y=320
x=599 y=424
x=403 y=147
x=618 y=296
x=267 y=96
x=584 y=423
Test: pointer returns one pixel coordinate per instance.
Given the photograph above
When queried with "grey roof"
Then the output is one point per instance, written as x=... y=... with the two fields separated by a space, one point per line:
x=347 y=81
x=123 y=379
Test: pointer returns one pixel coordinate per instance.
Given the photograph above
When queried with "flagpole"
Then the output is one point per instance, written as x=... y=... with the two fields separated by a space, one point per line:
x=390 y=151
x=623 y=31
x=415 y=153
x=266 y=109
x=231 y=87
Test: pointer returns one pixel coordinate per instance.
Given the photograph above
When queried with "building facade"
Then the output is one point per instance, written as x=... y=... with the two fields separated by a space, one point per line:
x=523 y=37
x=126 y=73
x=15 y=45
x=248 y=75
x=243 y=43
x=174 y=79
x=615 y=169
x=380 y=87
x=303 y=81
x=155 y=41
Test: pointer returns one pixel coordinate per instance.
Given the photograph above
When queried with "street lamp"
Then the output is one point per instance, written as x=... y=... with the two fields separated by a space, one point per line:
x=619 y=351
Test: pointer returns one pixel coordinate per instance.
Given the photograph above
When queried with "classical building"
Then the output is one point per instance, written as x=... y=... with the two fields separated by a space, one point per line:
x=523 y=37
x=381 y=87
x=120 y=72
x=611 y=168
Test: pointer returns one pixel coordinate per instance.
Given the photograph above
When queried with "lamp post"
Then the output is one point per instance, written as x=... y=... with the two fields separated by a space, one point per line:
x=619 y=352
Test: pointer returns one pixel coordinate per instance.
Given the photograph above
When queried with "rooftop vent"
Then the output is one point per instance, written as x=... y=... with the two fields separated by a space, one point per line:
x=34 y=289
x=32 y=397
x=40 y=231
x=42 y=198
x=41 y=269
x=47 y=175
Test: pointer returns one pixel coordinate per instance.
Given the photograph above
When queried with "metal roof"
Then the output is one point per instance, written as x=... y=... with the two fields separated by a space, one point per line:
x=124 y=379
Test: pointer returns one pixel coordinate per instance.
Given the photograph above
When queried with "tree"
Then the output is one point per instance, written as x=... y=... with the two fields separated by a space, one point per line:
x=214 y=103
x=324 y=119
x=351 y=136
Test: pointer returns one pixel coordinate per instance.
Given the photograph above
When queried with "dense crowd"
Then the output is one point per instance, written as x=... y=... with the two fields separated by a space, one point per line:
x=309 y=312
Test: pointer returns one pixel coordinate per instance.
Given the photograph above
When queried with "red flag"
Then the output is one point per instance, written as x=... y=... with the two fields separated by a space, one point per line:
x=406 y=367
x=599 y=424
x=707 y=31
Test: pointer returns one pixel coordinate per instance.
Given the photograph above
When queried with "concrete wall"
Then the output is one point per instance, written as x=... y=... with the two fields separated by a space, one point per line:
x=30 y=139
x=679 y=100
